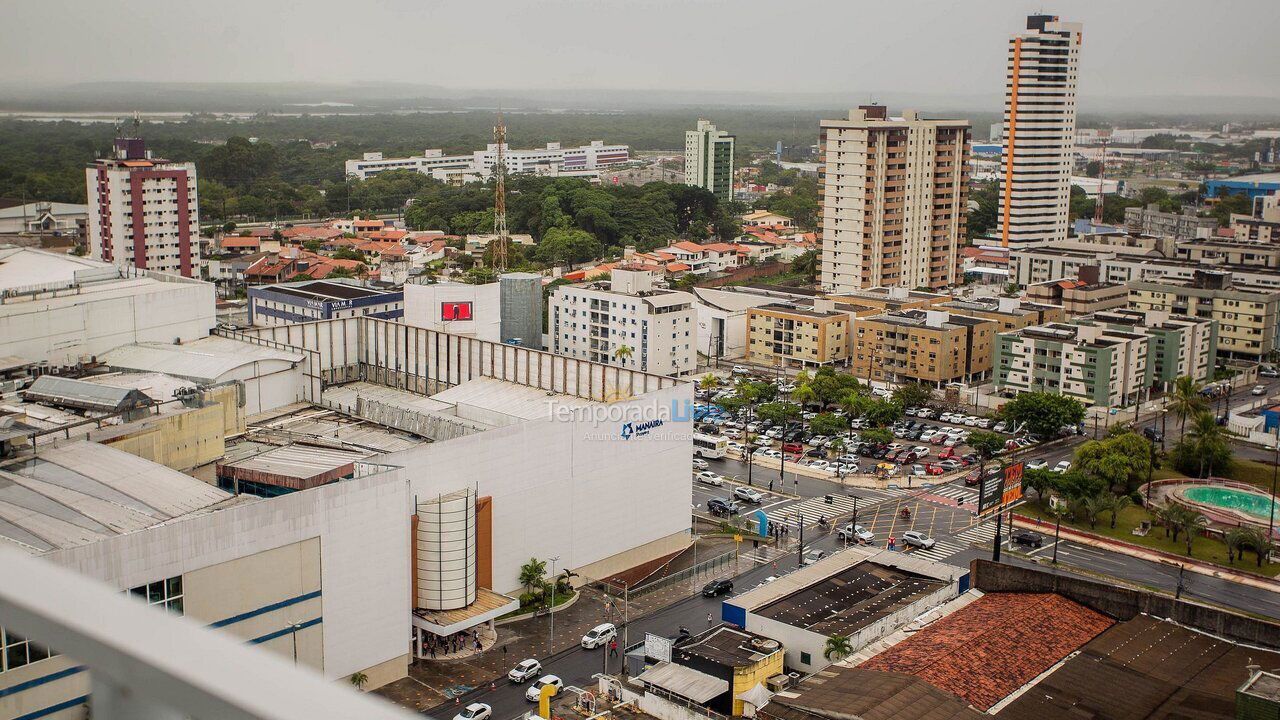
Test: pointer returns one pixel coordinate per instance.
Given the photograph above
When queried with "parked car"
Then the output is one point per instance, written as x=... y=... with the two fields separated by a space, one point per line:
x=526 y=670
x=920 y=450
x=947 y=453
x=934 y=469
x=707 y=477
x=535 y=690
x=1258 y=390
x=1038 y=464
x=1153 y=434
x=700 y=464
x=599 y=635
x=749 y=494
x=716 y=506
x=919 y=471
x=855 y=533
x=1269 y=372
x=717 y=587
x=1000 y=426
x=1062 y=466
x=950 y=465
x=475 y=711
x=741 y=370
x=814 y=556
x=915 y=538
x=1028 y=538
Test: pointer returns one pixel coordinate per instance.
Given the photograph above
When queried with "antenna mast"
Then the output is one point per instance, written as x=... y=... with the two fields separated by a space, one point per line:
x=500 y=197
x=1102 y=180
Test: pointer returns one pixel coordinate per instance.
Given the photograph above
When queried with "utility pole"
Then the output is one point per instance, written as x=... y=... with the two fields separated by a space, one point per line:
x=800 y=542
x=551 y=639
x=500 y=197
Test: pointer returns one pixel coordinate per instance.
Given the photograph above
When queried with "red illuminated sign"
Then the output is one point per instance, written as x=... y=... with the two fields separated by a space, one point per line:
x=455 y=311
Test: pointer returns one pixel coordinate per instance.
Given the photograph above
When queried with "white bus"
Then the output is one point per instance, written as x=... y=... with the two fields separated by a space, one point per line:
x=710 y=446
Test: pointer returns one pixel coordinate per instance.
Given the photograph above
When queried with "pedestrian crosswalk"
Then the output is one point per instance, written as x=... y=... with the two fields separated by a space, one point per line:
x=814 y=508
x=941 y=550
x=955 y=492
x=983 y=532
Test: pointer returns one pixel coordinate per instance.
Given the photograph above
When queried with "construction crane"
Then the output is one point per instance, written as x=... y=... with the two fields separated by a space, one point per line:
x=500 y=198
x=1102 y=181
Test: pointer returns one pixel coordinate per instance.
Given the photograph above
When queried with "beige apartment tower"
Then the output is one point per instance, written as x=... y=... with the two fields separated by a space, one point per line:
x=894 y=199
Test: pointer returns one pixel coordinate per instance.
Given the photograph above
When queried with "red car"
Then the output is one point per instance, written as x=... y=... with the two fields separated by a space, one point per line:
x=971 y=479
x=947 y=453
x=933 y=469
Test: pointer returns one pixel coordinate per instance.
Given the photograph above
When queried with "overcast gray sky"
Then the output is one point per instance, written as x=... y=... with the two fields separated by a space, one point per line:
x=1149 y=47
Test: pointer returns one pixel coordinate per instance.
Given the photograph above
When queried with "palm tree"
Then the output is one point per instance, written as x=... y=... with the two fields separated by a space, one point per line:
x=804 y=394
x=1090 y=508
x=838 y=648
x=622 y=353
x=1117 y=505
x=1185 y=399
x=531 y=573
x=1209 y=440
x=1257 y=540
x=708 y=381
x=1056 y=512
x=802 y=378
x=837 y=444
x=1163 y=514
x=1235 y=539
x=1192 y=524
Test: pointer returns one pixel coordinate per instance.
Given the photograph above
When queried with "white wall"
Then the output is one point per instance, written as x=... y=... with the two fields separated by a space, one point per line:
x=363 y=527
x=422 y=308
x=269 y=384
x=62 y=333
x=573 y=489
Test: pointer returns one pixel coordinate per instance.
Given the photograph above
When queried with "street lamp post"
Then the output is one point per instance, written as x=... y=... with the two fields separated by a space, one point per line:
x=294 y=627
x=1057 y=533
x=551 y=638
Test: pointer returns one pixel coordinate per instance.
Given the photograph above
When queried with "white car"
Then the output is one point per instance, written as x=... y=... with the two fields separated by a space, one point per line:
x=819 y=464
x=921 y=451
x=915 y=538
x=751 y=495
x=700 y=464
x=736 y=447
x=741 y=370
x=918 y=471
x=706 y=477
x=1062 y=466
x=1038 y=464
x=475 y=711
x=855 y=533
x=535 y=690
x=927 y=435
x=526 y=670
x=814 y=557
x=971 y=421
x=731 y=433
x=984 y=423
x=599 y=635
x=946 y=417
x=1001 y=426
x=787 y=387
x=925 y=413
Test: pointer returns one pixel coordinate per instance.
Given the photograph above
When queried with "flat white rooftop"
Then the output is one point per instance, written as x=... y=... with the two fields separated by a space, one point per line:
x=516 y=402
x=206 y=359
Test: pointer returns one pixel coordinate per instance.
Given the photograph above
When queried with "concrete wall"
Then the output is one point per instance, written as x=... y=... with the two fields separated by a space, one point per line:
x=422 y=308
x=64 y=333
x=571 y=488
x=1123 y=603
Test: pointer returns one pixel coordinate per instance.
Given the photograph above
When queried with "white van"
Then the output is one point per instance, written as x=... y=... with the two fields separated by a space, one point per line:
x=599 y=636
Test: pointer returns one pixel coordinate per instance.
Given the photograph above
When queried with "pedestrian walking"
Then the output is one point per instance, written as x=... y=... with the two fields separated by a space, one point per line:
x=504 y=653
x=709 y=620
x=613 y=648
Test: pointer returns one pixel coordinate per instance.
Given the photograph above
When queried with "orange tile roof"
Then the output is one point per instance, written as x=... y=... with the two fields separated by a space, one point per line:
x=1069 y=284
x=721 y=247
x=240 y=242
x=393 y=235
x=575 y=275
x=994 y=645
x=664 y=255
x=688 y=246
x=677 y=267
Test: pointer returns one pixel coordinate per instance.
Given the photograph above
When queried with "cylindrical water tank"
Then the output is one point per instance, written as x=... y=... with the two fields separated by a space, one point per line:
x=446 y=551
x=520 y=301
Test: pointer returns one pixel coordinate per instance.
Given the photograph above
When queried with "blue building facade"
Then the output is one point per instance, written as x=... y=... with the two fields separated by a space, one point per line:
x=320 y=300
x=1251 y=185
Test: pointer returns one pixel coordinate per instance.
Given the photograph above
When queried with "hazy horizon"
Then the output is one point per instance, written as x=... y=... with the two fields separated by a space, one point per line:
x=1139 y=49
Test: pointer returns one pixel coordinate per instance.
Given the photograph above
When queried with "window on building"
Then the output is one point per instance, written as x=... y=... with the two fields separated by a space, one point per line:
x=806 y=659
x=167 y=593
x=16 y=651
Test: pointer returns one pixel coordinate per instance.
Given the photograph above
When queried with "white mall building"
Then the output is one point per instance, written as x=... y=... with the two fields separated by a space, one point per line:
x=585 y=160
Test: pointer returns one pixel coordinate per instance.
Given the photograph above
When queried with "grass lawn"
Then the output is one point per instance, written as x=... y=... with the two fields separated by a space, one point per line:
x=1202 y=548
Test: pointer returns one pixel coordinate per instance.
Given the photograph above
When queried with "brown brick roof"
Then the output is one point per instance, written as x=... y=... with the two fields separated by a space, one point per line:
x=995 y=645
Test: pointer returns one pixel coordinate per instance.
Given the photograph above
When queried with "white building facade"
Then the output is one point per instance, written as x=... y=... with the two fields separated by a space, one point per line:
x=1039 y=131
x=628 y=323
x=553 y=159
x=708 y=159
x=143 y=211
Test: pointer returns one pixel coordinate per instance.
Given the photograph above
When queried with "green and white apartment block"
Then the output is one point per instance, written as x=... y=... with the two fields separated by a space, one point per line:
x=708 y=159
x=1111 y=358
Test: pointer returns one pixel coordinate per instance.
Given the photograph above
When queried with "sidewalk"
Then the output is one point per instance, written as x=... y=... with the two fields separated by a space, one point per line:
x=432 y=682
x=1149 y=554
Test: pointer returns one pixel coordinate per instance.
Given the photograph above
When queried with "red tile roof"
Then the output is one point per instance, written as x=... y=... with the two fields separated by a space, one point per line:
x=994 y=645
x=721 y=247
x=392 y=235
x=677 y=267
x=688 y=246
x=241 y=242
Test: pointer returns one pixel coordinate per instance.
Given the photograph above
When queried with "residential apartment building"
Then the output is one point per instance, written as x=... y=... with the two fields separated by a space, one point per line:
x=708 y=159
x=1248 y=317
x=889 y=299
x=787 y=335
x=926 y=346
x=1112 y=358
x=1081 y=295
x=1251 y=252
x=143 y=211
x=299 y=302
x=626 y=322
x=1151 y=220
x=583 y=161
x=1008 y=313
x=1263 y=226
x=1039 y=131
x=894 y=195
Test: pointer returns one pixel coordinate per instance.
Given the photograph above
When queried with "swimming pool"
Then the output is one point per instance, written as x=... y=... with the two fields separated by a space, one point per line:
x=1253 y=504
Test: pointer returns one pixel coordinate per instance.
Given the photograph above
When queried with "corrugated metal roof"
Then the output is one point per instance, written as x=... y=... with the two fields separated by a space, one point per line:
x=301 y=461
x=157 y=386
x=68 y=392
x=82 y=492
x=685 y=681
x=206 y=360
x=518 y=401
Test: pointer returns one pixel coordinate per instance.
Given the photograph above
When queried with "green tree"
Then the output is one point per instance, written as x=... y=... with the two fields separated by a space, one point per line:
x=805 y=394
x=883 y=412
x=1185 y=399
x=532 y=573
x=837 y=648
x=347 y=273
x=347 y=253
x=779 y=413
x=709 y=382
x=1043 y=414
x=983 y=218
x=622 y=352
x=806 y=264
x=1205 y=445
x=877 y=435
x=1256 y=540
x=912 y=394
x=828 y=424
x=1192 y=523
x=1235 y=539
x=480 y=276
x=986 y=445
x=1043 y=481
x=559 y=246
x=1114 y=504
